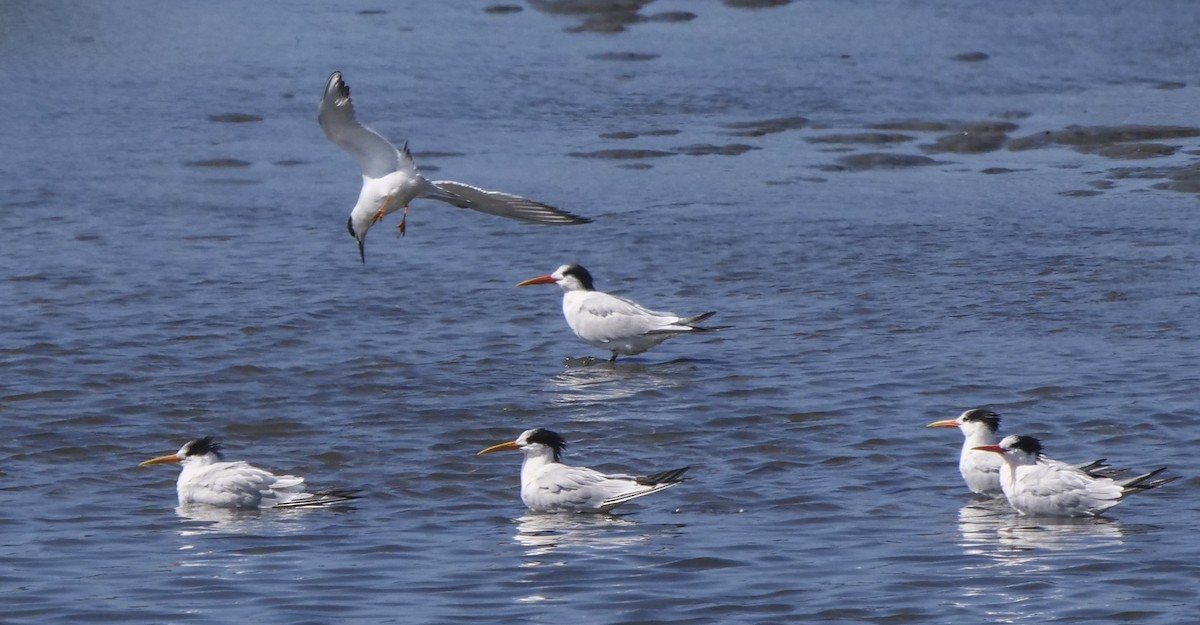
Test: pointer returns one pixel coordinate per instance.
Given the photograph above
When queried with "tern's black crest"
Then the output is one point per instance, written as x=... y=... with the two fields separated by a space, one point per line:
x=549 y=439
x=350 y=227
x=202 y=446
x=581 y=275
x=986 y=417
x=1028 y=444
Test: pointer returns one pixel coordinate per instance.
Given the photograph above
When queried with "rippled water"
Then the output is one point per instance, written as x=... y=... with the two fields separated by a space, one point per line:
x=175 y=264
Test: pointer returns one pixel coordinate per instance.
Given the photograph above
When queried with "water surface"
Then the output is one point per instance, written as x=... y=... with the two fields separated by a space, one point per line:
x=175 y=264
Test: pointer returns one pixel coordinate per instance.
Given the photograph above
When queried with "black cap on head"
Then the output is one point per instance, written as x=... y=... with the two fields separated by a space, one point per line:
x=350 y=227
x=549 y=439
x=201 y=446
x=581 y=275
x=1027 y=444
x=986 y=417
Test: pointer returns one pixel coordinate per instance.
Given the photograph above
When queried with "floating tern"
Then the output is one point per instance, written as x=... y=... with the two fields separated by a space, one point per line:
x=391 y=179
x=1038 y=486
x=206 y=478
x=547 y=485
x=981 y=470
x=614 y=323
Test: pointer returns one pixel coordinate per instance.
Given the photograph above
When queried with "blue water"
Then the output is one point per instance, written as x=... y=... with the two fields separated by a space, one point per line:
x=165 y=276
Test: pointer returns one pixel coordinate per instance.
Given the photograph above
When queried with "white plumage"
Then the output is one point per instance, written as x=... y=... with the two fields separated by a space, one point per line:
x=391 y=179
x=1039 y=486
x=207 y=479
x=547 y=485
x=980 y=469
x=605 y=321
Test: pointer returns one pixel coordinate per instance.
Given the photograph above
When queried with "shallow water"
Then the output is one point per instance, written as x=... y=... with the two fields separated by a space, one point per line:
x=175 y=264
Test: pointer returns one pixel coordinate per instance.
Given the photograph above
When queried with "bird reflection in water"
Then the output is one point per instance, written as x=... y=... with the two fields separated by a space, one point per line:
x=204 y=519
x=991 y=528
x=588 y=380
x=542 y=534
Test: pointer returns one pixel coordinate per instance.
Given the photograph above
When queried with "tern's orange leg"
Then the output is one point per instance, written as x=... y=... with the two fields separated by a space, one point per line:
x=382 y=210
x=402 y=220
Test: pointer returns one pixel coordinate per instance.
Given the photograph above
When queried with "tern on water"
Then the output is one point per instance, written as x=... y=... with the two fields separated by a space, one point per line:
x=614 y=323
x=980 y=469
x=1038 y=486
x=391 y=179
x=206 y=478
x=548 y=485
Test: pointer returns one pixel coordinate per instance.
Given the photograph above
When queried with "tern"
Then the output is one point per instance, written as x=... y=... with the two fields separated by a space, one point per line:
x=206 y=478
x=1038 y=486
x=606 y=321
x=391 y=179
x=981 y=470
x=548 y=485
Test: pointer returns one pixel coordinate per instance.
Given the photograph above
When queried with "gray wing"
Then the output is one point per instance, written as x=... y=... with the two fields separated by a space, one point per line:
x=375 y=155
x=504 y=204
x=241 y=485
x=562 y=487
x=610 y=317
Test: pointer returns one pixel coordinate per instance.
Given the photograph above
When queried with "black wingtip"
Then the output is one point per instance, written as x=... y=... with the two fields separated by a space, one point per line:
x=702 y=317
x=337 y=85
x=331 y=498
x=666 y=477
x=1146 y=481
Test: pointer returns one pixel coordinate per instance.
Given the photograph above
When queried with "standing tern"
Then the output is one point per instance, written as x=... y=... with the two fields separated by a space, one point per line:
x=1038 y=486
x=391 y=179
x=206 y=478
x=981 y=470
x=607 y=321
x=547 y=485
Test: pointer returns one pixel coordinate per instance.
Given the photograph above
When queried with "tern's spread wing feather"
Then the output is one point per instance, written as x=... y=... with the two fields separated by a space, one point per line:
x=504 y=204
x=375 y=155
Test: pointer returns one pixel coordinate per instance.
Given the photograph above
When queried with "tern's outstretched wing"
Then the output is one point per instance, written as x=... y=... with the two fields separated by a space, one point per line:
x=375 y=155
x=504 y=205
